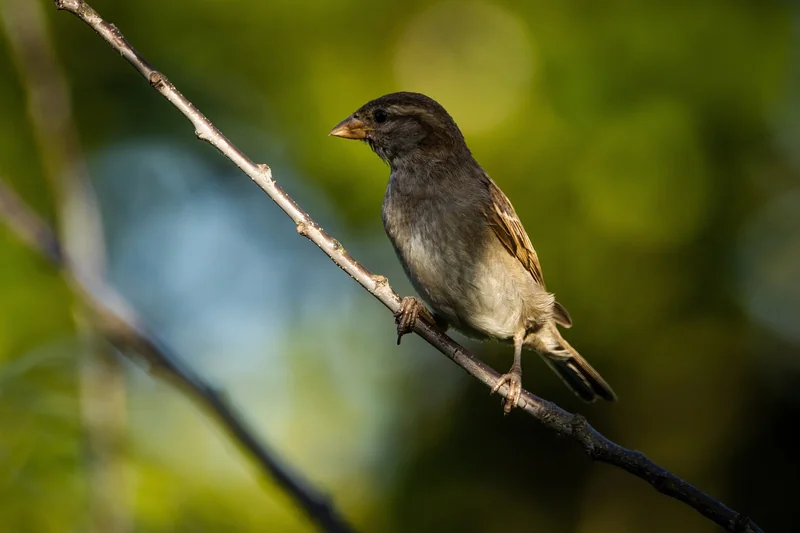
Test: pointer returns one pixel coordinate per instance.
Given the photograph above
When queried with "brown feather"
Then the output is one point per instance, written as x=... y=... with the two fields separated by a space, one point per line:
x=561 y=315
x=508 y=228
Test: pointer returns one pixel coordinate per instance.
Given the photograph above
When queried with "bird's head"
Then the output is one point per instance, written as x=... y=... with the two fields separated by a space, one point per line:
x=402 y=125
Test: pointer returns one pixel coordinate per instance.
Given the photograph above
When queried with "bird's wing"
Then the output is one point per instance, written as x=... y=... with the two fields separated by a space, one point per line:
x=508 y=228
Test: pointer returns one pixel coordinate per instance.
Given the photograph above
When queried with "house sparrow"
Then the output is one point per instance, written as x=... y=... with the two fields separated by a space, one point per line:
x=461 y=243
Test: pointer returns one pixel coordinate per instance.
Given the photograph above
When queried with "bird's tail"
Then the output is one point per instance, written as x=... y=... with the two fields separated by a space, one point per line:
x=573 y=369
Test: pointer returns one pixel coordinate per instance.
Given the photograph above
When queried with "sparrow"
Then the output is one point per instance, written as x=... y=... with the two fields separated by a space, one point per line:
x=461 y=243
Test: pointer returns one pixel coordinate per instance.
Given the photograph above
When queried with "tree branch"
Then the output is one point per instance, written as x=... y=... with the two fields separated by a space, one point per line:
x=553 y=417
x=115 y=320
x=102 y=388
x=120 y=325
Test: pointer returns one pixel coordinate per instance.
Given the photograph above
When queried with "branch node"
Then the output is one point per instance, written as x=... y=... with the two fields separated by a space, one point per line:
x=302 y=229
x=579 y=428
x=639 y=456
x=337 y=246
x=62 y=4
x=742 y=523
x=380 y=281
x=265 y=172
x=157 y=80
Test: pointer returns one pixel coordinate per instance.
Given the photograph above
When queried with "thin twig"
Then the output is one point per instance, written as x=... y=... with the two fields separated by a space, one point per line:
x=562 y=422
x=118 y=323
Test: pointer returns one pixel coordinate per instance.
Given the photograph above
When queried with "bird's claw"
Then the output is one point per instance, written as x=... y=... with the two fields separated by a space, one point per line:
x=514 y=381
x=406 y=317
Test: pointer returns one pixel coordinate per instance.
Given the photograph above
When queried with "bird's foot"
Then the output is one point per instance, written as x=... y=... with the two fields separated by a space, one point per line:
x=406 y=317
x=514 y=381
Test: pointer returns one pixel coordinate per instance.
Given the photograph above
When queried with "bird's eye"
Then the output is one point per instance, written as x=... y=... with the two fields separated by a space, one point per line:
x=380 y=115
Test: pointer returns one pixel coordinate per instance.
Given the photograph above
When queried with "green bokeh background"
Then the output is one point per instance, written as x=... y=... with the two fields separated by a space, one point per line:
x=649 y=148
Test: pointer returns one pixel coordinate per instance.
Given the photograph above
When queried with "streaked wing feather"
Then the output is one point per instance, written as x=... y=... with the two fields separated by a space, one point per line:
x=508 y=228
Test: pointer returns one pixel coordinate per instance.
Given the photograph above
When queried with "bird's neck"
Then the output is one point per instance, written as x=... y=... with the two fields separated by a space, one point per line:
x=420 y=171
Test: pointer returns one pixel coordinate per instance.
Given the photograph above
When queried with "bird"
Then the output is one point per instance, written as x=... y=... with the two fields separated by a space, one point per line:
x=461 y=243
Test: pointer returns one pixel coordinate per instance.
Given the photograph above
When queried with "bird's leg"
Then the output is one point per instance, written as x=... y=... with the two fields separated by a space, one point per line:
x=410 y=310
x=513 y=377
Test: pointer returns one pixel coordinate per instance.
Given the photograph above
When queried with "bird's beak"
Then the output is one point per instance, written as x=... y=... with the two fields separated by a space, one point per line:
x=350 y=128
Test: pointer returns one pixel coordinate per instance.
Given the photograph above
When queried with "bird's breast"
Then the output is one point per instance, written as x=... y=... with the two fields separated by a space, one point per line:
x=419 y=232
x=426 y=238
x=442 y=246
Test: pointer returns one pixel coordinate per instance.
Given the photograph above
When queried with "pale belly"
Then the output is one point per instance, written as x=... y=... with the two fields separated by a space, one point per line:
x=477 y=290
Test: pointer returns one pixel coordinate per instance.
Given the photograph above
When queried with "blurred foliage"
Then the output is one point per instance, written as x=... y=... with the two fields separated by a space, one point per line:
x=649 y=148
